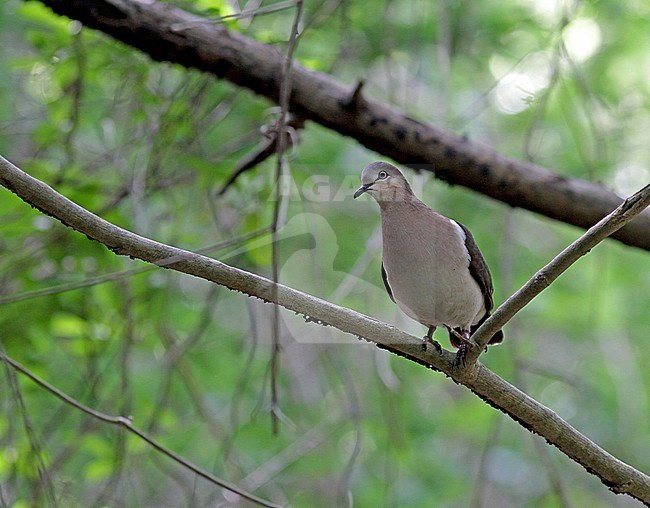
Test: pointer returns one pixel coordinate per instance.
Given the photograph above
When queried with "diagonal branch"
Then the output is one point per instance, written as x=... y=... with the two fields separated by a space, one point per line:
x=618 y=476
x=167 y=33
x=127 y=424
x=630 y=208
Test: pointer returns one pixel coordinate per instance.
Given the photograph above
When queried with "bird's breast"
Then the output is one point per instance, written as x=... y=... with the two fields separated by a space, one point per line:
x=428 y=272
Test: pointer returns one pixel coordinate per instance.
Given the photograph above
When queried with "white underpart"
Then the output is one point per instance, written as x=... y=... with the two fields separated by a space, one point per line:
x=463 y=239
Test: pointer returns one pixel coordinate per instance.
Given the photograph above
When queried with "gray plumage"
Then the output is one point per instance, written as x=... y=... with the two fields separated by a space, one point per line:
x=431 y=266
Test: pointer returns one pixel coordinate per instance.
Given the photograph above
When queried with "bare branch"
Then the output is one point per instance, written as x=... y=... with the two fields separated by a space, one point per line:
x=265 y=149
x=170 y=34
x=630 y=208
x=537 y=418
x=279 y=210
x=128 y=425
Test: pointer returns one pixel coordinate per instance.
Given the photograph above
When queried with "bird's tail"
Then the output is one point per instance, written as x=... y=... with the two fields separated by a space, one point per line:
x=497 y=338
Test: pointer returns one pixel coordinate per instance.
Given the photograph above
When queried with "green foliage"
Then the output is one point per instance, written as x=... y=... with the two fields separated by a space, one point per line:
x=147 y=146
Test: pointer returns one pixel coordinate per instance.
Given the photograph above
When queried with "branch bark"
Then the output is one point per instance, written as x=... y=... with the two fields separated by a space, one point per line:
x=167 y=33
x=617 y=475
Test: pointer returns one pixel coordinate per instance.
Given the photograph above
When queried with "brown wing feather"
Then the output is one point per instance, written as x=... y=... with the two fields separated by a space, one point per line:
x=478 y=268
x=384 y=277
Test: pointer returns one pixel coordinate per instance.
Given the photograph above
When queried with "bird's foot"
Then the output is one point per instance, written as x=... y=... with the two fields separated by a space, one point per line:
x=464 y=345
x=461 y=356
x=428 y=340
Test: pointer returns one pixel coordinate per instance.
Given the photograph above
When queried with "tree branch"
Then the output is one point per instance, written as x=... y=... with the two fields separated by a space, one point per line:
x=279 y=211
x=127 y=424
x=618 y=476
x=631 y=207
x=170 y=34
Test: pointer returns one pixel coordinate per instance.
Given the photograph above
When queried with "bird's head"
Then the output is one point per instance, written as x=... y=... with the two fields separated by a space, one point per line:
x=384 y=182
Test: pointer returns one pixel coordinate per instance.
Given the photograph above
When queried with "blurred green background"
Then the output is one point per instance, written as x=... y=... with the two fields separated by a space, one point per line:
x=147 y=146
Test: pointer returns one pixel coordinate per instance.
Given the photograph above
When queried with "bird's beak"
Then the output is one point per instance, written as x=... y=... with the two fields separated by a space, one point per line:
x=361 y=190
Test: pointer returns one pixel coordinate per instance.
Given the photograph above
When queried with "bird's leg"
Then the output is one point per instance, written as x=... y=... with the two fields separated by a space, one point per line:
x=463 y=345
x=461 y=355
x=428 y=338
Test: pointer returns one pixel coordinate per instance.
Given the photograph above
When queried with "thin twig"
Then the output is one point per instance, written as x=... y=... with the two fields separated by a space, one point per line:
x=76 y=90
x=630 y=208
x=301 y=446
x=123 y=394
x=44 y=480
x=116 y=276
x=265 y=149
x=348 y=387
x=126 y=423
x=247 y=13
x=285 y=93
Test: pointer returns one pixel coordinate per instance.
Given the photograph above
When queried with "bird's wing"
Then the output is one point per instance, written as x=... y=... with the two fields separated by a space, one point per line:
x=478 y=268
x=384 y=277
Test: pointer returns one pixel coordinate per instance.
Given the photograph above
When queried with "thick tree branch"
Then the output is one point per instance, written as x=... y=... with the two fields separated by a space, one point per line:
x=170 y=34
x=618 y=476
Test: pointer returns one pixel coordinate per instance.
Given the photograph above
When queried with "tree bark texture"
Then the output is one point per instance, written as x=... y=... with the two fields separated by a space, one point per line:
x=167 y=33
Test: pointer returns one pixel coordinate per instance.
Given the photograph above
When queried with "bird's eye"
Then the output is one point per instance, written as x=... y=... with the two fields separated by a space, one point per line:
x=382 y=175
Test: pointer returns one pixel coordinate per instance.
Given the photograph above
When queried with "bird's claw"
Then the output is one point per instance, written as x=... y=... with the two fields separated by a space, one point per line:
x=461 y=356
x=428 y=340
